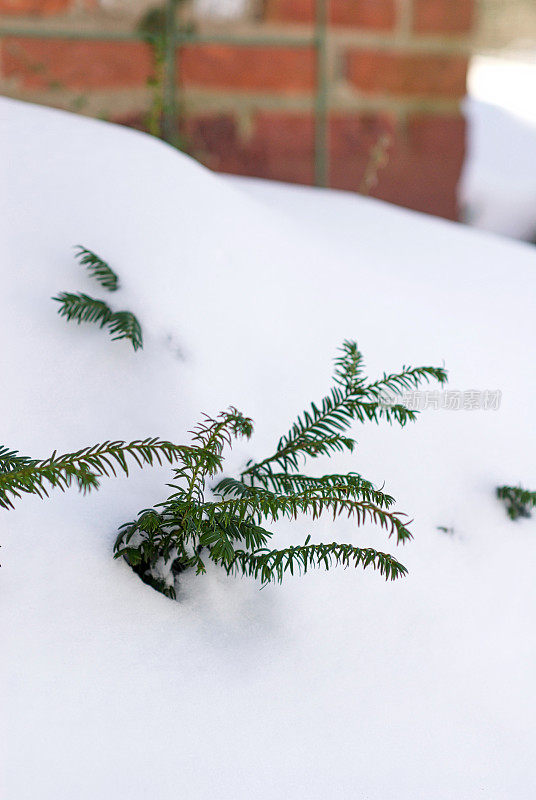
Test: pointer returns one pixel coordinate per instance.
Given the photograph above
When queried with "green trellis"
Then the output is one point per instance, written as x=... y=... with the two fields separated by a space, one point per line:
x=176 y=38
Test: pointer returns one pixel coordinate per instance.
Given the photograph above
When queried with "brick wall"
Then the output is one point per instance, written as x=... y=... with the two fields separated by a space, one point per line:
x=396 y=68
x=509 y=24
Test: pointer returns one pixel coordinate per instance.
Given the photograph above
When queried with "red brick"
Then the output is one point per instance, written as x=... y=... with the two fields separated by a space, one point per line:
x=370 y=14
x=31 y=7
x=354 y=136
x=255 y=69
x=443 y=16
x=40 y=64
x=214 y=132
x=287 y=143
x=422 y=171
x=424 y=161
x=281 y=146
x=431 y=135
x=289 y=10
x=285 y=134
x=412 y=74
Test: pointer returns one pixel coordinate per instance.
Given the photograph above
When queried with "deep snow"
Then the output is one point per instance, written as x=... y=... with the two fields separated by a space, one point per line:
x=334 y=685
x=498 y=187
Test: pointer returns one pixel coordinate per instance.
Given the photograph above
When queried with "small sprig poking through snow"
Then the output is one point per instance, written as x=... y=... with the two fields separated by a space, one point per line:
x=230 y=530
x=80 y=307
x=519 y=502
x=83 y=308
x=97 y=268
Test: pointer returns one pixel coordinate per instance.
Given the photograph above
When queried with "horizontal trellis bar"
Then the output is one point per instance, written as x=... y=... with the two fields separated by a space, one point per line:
x=190 y=37
x=175 y=38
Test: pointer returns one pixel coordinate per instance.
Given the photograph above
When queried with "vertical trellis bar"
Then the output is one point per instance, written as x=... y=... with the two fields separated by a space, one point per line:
x=170 y=121
x=321 y=98
x=175 y=37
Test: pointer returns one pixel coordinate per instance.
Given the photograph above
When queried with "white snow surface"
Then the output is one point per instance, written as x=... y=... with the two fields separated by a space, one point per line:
x=224 y=9
x=334 y=685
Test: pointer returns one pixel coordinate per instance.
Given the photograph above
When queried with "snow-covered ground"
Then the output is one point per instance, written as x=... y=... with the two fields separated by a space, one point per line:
x=498 y=190
x=336 y=685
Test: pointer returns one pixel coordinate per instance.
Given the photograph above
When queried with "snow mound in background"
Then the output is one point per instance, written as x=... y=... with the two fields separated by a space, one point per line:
x=498 y=187
x=334 y=685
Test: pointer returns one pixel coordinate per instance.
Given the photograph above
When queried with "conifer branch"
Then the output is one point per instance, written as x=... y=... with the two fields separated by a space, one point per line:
x=330 y=488
x=284 y=482
x=270 y=565
x=209 y=438
x=338 y=500
x=124 y=325
x=519 y=502
x=319 y=430
x=230 y=529
x=21 y=475
x=97 y=268
x=10 y=460
x=407 y=378
x=80 y=307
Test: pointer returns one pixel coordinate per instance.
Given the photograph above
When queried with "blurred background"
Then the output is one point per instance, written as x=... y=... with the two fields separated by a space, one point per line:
x=429 y=104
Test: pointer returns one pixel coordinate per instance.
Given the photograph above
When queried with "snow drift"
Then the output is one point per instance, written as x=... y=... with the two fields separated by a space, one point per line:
x=334 y=685
x=498 y=186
